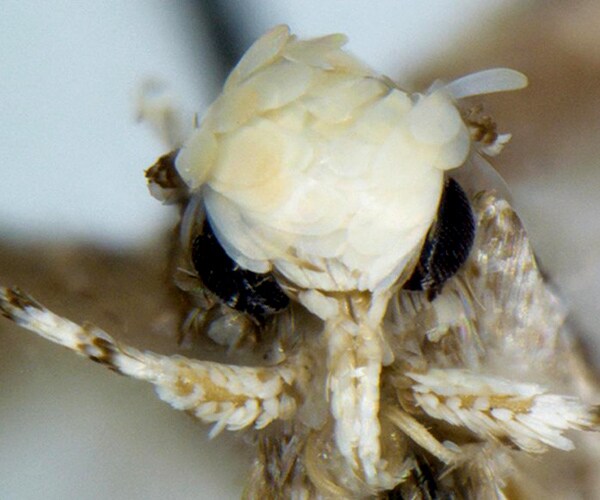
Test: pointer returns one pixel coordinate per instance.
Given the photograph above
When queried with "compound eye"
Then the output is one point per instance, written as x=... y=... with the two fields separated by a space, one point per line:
x=448 y=242
x=258 y=295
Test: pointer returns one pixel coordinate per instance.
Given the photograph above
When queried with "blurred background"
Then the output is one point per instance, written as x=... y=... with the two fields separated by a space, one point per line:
x=72 y=158
x=72 y=152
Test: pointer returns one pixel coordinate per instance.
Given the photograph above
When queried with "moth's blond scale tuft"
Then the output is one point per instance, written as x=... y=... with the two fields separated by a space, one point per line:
x=310 y=161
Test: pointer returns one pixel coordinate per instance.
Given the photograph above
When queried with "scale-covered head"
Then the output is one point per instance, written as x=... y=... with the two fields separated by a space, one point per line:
x=315 y=168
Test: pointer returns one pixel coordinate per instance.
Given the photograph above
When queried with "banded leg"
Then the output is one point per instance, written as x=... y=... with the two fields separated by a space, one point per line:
x=230 y=396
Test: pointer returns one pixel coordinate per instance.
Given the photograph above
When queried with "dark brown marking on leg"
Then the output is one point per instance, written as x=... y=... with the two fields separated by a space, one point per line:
x=15 y=300
x=163 y=172
x=99 y=350
x=21 y=300
x=165 y=182
x=482 y=128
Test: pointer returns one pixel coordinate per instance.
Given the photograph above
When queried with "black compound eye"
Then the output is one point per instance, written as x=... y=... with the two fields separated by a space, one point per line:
x=448 y=242
x=258 y=295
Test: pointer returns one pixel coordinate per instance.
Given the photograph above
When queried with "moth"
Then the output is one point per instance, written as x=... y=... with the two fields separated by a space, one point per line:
x=385 y=328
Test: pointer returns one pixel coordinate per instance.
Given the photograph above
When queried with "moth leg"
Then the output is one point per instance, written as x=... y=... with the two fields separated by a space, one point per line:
x=355 y=355
x=229 y=396
x=420 y=435
x=354 y=364
x=492 y=407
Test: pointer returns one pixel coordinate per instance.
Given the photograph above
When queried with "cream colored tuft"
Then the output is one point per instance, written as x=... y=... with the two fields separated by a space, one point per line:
x=306 y=144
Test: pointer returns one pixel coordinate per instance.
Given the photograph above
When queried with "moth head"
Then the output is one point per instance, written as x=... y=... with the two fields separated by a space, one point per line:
x=312 y=167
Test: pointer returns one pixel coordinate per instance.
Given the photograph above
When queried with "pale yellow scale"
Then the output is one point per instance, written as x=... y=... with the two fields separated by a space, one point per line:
x=313 y=165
